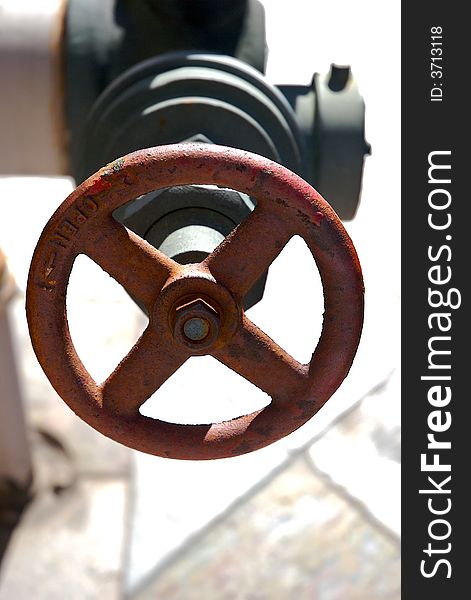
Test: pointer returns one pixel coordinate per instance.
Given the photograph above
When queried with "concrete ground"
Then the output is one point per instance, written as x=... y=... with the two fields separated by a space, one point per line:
x=316 y=515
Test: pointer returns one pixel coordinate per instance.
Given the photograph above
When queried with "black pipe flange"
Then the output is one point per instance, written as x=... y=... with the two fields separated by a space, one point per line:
x=176 y=96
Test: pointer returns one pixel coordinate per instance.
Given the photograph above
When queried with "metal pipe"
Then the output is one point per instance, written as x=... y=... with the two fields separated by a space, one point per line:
x=15 y=456
x=32 y=119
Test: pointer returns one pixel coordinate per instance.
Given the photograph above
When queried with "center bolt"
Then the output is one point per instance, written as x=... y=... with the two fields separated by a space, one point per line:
x=196 y=329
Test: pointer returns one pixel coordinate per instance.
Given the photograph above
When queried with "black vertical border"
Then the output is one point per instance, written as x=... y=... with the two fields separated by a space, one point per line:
x=428 y=126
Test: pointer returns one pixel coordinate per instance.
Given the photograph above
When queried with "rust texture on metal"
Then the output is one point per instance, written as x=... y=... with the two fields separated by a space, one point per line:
x=209 y=292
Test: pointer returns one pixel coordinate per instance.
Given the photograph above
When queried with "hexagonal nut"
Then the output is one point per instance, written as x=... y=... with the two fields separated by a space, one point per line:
x=196 y=324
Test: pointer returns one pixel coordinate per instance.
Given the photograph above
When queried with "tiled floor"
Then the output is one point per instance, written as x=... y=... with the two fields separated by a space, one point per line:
x=68 y=545
x=294 y=537
x=314 y=516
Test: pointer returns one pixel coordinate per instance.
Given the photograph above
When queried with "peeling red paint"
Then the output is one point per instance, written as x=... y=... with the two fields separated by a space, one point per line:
x=99 y=185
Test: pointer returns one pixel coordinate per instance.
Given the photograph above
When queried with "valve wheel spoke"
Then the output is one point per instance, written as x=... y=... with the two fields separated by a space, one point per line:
x=141 y=372
x=255 y=356
x=243 y=256
x=139 y=267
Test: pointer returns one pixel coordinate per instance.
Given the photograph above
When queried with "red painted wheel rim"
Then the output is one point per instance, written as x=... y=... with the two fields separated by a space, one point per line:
x=286 y=206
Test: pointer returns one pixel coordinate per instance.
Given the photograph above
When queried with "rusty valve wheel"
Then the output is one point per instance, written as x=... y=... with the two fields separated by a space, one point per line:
x=195 y=309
